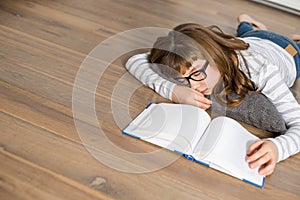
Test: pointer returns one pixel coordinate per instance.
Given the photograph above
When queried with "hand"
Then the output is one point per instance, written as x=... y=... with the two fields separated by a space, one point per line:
x=263 y=153
x=190 y=96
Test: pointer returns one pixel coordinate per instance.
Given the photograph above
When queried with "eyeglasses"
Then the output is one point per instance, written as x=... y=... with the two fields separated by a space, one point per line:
x=198 y=75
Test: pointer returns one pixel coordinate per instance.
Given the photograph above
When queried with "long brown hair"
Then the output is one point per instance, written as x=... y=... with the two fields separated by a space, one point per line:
x=188 y=42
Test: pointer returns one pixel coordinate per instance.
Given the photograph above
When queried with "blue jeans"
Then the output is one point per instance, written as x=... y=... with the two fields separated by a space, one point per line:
x=246 y=30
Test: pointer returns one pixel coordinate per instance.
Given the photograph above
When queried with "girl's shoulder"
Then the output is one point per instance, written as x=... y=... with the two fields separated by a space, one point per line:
x=265 y=56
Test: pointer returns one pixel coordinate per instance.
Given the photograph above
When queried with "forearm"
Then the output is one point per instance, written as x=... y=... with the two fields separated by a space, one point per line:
x=287 y=144
x=139 y=67
x=279 y=94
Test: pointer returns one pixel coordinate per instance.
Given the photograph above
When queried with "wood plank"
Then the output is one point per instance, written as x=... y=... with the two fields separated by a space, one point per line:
x=121 y=20
x=21 y=15
x=38 y=47
x=174 y=12
x=21 y=179
x=63 y=68
x=61 y=28
x=60 y=91
x=56 y=117
x=82 y=167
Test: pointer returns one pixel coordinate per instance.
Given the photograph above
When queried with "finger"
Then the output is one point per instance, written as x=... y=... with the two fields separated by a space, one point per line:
x=201 y=101
x=253 y=147
x=260 y=161
x=256 y=155
x=202 y=105
x=267 y=170
x=200 y=97
x=196 y=103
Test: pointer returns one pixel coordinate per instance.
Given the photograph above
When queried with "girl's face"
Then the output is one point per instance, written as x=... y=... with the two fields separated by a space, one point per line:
x=212 y=76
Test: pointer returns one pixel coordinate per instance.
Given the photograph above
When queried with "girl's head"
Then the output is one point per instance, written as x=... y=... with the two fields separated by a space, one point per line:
x=206 y=59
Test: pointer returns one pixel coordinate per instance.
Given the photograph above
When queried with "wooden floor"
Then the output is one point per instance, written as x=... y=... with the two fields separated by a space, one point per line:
x=44 y=43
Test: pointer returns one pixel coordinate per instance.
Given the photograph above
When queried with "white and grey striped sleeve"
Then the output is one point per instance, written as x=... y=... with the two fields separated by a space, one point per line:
x=139 y=67
x=273 y=86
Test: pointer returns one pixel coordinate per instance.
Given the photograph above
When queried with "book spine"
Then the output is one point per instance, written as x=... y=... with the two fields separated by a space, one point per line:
x=124 y=132
x=191 y=158
x=257 y=185
x=202 y=163
x=148 y=105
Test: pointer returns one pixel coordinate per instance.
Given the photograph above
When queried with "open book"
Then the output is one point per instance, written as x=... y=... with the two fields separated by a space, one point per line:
x=220 y=143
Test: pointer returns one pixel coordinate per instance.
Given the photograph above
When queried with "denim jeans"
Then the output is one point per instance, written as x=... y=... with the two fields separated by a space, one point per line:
x=246 y=30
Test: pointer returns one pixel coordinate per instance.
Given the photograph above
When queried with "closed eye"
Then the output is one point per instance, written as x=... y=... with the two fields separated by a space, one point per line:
x=197 y=73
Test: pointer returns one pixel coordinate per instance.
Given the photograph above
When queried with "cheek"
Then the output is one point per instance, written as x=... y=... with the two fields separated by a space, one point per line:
x=213 y=76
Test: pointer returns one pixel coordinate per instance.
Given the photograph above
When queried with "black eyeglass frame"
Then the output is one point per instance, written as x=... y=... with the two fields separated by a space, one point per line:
x=202 y=70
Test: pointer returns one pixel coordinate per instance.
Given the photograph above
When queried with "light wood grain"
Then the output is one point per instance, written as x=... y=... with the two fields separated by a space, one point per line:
x=43 y=45
x=33 y=181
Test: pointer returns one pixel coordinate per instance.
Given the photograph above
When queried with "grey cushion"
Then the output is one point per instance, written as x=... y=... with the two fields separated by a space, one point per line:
x=255 y=110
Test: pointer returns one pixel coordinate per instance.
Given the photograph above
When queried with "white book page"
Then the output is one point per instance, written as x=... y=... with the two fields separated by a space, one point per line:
x=230 y=148
x=172 y=126
x=208 y=141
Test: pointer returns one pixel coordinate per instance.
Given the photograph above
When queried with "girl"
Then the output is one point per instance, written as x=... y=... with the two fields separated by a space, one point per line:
x=210 y=61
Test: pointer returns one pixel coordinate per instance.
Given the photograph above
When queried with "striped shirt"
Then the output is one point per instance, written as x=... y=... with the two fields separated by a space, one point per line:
x=271 y=68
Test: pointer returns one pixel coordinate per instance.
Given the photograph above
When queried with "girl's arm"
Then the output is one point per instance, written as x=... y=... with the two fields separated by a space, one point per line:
x=139 y=67
x=280 y=95
x=266 y=153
